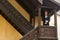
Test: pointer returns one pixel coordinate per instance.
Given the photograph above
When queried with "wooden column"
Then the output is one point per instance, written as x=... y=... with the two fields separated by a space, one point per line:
x=55 y=20
x=39 y=22
x=39 y=16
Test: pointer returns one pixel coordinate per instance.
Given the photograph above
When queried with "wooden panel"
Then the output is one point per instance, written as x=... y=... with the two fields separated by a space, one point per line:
x=48 y=31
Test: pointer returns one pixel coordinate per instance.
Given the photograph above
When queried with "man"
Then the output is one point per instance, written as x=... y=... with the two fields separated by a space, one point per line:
x=45 y=17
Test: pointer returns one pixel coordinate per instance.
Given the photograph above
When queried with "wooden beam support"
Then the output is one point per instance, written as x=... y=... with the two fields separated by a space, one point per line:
x=55 y=20
x=39 y=22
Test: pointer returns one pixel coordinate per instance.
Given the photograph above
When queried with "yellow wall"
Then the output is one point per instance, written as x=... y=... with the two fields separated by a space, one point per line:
x=36 y=21
x=19 y=8
x=7 y=32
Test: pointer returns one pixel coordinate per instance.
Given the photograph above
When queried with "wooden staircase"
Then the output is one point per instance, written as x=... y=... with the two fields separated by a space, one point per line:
x=24 y=27
x=15 y=18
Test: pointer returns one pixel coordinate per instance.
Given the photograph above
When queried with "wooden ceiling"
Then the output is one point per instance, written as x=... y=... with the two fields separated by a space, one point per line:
x=31 y=5
x=51 y=3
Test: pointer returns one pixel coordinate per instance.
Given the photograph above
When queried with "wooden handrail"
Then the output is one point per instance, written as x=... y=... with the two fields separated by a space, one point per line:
x=48 y=37
x=30 y=34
